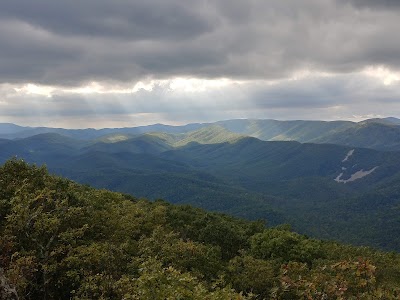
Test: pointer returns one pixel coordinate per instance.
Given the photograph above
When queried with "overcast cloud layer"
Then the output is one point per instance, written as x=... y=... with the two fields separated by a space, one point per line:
x=124 y=63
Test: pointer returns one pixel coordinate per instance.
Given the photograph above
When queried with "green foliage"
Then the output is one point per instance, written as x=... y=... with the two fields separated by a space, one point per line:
x=285 y=246
x=158 y=282
x=61 y=240
x=341 y=280
x=202 y=260
x=250 y=274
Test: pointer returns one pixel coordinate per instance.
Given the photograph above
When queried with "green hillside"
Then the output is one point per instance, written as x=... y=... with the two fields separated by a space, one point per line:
x=378 y=134
x=213 y=134
x=374 y=135
x=282 y=182
x=62 y=240
x=138 y=144
x=274 y=130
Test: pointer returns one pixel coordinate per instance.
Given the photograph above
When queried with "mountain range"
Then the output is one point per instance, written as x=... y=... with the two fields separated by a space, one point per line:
x=378 y=134
x=334 y=180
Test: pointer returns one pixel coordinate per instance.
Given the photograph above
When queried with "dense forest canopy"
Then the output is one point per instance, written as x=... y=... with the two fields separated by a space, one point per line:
x=62 y=240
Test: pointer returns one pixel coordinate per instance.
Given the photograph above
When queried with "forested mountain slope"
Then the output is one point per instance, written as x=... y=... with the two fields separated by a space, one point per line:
x=298 y=130
x=375 y=135
x=62 y=240
x=317 y=188
x=379 y=134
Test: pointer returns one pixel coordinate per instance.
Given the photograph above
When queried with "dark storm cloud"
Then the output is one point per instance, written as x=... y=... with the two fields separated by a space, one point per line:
x=118 y=18
x=73 y=42
x=310 y=93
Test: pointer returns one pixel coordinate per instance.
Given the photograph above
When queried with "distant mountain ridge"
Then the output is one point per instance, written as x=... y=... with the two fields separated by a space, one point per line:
x=379 y=134
x=12 y=131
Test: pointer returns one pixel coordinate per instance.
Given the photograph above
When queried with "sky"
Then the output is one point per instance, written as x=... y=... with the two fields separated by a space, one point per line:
x=122 y=63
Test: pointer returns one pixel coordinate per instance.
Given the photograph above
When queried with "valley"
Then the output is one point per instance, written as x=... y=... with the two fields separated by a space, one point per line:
x=325 y=190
